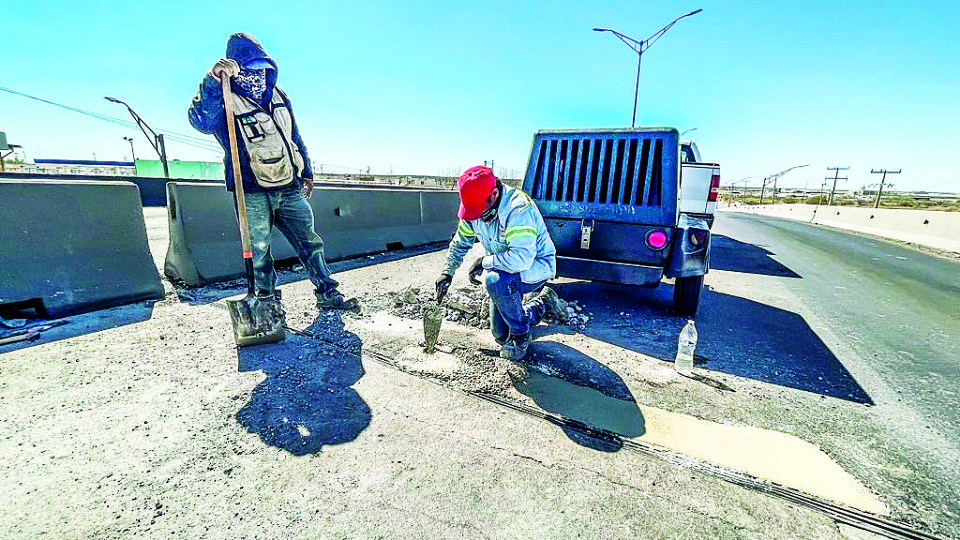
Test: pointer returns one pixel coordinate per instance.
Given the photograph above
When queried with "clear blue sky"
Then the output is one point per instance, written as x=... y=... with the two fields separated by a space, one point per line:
x=433 y=87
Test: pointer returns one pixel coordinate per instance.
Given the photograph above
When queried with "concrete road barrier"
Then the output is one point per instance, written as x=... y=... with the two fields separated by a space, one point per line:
x=940 y=230
x=204 y=236
x=360 y=221
x=68 y=247
x=153 y=191
x=205 y=242
x=802 y=212
x=438 y=214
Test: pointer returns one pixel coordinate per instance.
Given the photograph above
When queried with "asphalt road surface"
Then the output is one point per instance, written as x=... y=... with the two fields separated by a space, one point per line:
x=899 y=308
x=895 y=310
x=817 y=368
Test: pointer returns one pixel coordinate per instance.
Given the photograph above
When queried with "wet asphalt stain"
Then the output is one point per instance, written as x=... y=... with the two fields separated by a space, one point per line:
x=570 y=384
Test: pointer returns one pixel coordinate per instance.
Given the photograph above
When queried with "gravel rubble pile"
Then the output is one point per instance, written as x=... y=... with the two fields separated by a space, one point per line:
x=470 y=306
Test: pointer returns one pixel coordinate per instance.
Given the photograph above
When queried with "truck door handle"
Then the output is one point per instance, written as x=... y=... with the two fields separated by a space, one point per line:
x=586 y=231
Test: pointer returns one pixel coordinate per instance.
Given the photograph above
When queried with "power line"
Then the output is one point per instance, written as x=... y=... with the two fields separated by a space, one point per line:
x=188 y=140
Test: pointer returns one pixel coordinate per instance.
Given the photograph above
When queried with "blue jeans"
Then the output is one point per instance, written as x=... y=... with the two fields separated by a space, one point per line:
x=289 y=211
x=508 y=314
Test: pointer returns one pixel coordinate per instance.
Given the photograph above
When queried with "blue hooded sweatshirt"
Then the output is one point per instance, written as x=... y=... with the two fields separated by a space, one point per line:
x=207 y=114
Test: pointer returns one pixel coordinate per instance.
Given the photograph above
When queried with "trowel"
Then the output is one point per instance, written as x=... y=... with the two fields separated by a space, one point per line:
x=432 y=319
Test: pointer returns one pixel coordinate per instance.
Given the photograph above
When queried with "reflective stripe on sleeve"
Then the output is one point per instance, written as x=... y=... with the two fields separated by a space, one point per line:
x=520 y=231
x=465 y=230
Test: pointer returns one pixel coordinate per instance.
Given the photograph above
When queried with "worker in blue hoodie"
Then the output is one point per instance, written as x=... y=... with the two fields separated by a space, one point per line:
x=276 y=172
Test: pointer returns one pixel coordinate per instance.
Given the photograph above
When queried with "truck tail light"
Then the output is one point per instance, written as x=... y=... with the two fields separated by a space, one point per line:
x=698 y=237
x=656 y=240
x=714 y=188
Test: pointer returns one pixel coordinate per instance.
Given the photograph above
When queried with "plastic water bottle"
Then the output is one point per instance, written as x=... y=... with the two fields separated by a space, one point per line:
x=686 y=346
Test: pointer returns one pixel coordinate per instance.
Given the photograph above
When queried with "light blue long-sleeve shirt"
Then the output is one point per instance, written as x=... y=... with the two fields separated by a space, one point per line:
x=516 y=241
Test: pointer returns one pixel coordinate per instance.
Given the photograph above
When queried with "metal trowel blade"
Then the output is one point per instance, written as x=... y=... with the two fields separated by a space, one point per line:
x=432 y=319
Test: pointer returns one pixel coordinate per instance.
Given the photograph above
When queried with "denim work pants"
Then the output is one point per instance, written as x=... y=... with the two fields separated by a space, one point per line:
x=508 y=314
x=289 y=211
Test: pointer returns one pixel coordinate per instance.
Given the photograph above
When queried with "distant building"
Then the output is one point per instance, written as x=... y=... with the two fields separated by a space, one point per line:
x=79 y=166
x=145 y=168
x=213 y=170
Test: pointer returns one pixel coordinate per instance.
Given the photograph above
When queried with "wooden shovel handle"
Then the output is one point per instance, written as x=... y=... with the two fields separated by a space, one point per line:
x=235 y=161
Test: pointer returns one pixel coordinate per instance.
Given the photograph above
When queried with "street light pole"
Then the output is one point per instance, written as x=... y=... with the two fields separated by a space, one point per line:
x=744 y=180
x=774 y=178
x=153 y=138
x=640 y=47
x=687 y=131
x=133 y=157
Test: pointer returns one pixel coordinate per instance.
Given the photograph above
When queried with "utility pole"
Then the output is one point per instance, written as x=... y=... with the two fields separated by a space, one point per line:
x=836 y=176
x=763 y=187
x=884 y=172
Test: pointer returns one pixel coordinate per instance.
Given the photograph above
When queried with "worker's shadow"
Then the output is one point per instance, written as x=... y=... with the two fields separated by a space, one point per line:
x=593 y=398
x=306 y=400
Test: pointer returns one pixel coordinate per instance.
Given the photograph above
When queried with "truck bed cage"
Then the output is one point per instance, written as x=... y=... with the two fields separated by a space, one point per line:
x=617 y=173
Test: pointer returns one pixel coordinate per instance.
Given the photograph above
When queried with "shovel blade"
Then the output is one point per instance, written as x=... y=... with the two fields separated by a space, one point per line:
x=432 y=319
x=255 y=322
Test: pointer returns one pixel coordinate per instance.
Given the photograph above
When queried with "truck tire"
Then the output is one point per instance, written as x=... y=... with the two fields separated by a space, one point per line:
x=686 y=295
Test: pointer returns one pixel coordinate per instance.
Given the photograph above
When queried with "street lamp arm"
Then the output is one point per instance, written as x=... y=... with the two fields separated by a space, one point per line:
x=147 y=130
x=650 y=40
x=785 y=171
x=629 y=41
x=155 y=140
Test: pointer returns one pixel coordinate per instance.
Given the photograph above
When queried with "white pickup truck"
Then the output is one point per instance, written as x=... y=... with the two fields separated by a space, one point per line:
x=699 y=183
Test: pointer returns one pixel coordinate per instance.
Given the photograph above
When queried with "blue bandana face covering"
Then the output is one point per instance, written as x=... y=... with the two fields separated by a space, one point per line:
x=252 y=82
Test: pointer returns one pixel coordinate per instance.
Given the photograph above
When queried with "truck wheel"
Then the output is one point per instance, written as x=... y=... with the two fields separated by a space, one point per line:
x=686 y=295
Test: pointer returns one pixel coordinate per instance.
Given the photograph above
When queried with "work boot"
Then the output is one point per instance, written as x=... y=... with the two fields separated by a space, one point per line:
x=334 y=299
x=270 y=309
x=273 y=301
x=516 y=347
x=553 y=306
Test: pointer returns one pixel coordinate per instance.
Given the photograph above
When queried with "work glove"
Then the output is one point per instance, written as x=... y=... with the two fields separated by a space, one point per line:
x=443 y=285
x=225 y=65
x=475 y=271
x=307 y=187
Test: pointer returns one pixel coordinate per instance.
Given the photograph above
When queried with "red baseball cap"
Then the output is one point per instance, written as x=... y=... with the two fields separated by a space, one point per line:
x=475 y=186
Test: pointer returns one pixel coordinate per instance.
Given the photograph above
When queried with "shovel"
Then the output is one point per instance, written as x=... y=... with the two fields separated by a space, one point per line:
x=254 y=322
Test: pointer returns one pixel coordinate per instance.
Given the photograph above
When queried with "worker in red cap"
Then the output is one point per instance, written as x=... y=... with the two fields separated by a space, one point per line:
x=520 y=257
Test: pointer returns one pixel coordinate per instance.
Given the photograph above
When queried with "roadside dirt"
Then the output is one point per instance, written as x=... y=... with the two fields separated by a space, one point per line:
x=122 y=422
